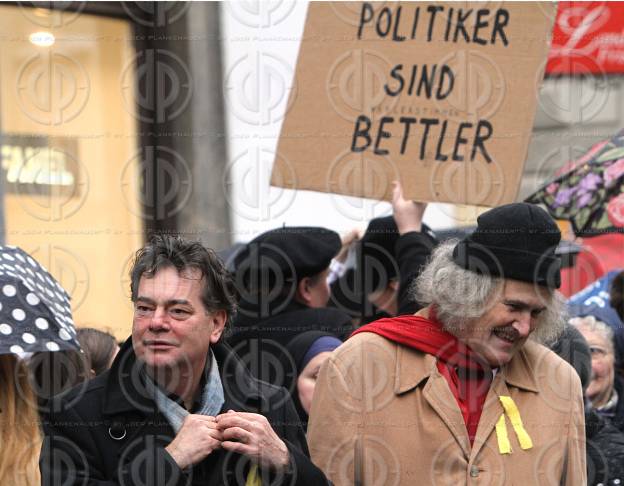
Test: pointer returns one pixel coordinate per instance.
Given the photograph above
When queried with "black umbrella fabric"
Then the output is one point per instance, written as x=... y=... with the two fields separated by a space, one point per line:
x=35 y=313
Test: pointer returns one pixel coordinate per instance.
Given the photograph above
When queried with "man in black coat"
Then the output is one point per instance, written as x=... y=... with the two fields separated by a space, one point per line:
x=177 y=406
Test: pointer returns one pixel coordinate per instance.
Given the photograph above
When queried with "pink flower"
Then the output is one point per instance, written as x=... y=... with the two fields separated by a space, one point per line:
x=613 y=173
x=591 y=153
x=552 y=188
x=615 y=211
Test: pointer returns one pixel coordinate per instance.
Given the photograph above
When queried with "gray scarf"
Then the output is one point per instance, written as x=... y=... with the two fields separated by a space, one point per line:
x=212 y=397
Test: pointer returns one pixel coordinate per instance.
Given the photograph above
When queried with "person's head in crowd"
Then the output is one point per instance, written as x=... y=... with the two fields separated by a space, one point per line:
x=608 y=316
x=183 y=299
x=617 y=294
x=308 y=352
x=599 y=336
x=55 y=373
x=497 y=286
x=370 y=284
x=380 y=270
x=19 y=425
x=100 y=348
x=286 y=265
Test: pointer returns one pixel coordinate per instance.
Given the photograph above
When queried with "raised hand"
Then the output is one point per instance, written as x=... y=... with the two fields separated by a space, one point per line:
x=408 y=215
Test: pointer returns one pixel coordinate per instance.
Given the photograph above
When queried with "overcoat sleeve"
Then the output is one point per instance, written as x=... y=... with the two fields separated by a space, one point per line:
x=575 y=471
x=302 y=472
x=333 y=425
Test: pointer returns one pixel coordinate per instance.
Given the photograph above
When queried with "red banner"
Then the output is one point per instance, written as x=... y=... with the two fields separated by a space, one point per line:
x=588 y=37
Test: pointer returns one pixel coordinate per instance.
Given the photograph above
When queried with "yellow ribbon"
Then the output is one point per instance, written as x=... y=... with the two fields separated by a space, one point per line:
x=253 y=477
x=511 y=410
x=504 y=446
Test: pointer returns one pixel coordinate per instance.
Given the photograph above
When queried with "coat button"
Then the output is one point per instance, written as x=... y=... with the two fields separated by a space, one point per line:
x=474 y=472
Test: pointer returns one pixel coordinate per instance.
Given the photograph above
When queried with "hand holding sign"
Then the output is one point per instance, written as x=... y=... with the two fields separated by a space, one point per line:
x=408 y=215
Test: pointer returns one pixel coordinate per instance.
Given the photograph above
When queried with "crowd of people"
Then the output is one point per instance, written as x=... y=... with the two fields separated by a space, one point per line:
x=385 y=357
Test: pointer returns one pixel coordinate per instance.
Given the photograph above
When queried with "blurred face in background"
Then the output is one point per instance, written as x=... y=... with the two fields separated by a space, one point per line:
x=307 y=379
x=314 y=291
x=600 y=388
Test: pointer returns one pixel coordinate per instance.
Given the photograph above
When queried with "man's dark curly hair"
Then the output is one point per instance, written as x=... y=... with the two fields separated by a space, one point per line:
x=164 y=251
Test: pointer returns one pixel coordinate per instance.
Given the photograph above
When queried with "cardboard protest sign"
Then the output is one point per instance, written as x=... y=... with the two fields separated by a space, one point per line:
x=441 y=96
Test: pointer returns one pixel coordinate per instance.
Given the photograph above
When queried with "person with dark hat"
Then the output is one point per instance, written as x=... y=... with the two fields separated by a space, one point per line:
x=282 y=279
x=463 y=389
x=389 y=257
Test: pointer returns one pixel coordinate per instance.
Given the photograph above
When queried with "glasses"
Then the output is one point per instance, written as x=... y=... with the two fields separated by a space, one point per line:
x=598 y=352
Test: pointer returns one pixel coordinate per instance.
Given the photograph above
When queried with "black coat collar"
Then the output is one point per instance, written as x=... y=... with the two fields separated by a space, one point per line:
x=124 y=390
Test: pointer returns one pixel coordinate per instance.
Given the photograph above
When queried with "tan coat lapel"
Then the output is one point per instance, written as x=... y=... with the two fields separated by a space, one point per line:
x=519 y=374
x=411 y=370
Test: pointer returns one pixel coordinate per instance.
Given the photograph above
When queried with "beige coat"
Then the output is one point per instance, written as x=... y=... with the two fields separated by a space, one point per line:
x=389 y=403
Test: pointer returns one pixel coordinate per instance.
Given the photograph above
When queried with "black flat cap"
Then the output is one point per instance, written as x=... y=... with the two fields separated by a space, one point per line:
x=290 y=253
x=516 y=241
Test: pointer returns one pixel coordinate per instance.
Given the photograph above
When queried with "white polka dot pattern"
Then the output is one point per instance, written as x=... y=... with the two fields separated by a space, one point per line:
x=41 y=323
x=28 y=338
x=35 y=312
x=52 y=346
x=9 y=290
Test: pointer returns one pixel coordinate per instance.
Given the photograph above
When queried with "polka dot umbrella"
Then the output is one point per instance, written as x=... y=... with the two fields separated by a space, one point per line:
x=35 y=313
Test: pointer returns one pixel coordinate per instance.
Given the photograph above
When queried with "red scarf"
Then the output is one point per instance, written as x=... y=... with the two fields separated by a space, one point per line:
x=467 y=378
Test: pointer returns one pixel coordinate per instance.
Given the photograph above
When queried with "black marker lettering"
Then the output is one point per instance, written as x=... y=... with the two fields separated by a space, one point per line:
x=479 y=139
x=361 y=133
x=407 y=123
x=366 y=15
x=501 y=21
x=381 y=134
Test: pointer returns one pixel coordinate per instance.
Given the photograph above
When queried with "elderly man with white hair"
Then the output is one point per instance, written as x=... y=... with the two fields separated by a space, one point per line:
x=461 y=392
